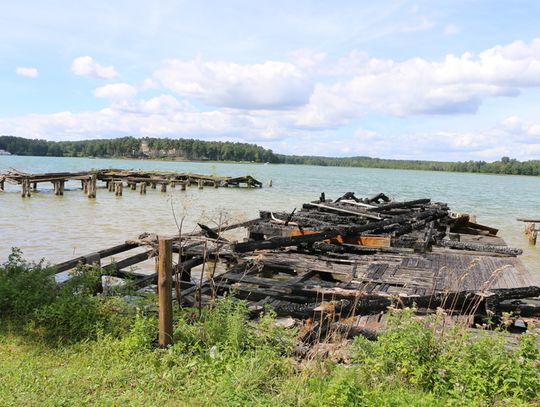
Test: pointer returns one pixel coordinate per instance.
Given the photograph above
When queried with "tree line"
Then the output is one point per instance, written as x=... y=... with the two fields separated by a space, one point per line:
x=131 y=147
x=191 y=149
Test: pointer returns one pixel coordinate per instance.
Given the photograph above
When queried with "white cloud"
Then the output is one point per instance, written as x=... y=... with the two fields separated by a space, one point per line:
x=455 y=85
x=269 y=85
x=86 y=66
x=452 y=29
x=27 y=71
x=116 y=91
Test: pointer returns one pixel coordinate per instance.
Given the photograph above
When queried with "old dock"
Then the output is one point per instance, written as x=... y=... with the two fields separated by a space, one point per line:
x=348 y=259
x=115 y=180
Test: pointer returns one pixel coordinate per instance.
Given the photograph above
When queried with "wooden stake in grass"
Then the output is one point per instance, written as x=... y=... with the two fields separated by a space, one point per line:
x=165 y=291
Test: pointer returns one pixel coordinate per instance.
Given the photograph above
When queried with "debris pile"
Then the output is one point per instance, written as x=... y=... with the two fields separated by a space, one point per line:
x=343 y=263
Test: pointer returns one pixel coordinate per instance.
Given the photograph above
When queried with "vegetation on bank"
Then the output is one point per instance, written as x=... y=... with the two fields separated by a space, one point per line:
x=190 y=149
x=67 y=346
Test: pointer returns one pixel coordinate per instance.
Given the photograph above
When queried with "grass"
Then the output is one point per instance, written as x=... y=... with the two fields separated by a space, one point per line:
x=74 y=348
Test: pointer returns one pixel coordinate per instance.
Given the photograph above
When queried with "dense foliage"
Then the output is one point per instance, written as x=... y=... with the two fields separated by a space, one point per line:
x=104 y=353
x=505 y=165
x=190 y=149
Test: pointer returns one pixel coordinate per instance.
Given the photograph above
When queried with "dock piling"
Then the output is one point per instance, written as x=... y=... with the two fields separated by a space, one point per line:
x=164 y=270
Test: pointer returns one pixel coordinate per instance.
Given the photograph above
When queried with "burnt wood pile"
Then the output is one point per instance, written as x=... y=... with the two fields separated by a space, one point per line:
x=349 y=260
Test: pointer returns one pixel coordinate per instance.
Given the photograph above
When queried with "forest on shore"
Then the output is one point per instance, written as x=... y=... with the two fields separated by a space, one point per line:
x=199 y=150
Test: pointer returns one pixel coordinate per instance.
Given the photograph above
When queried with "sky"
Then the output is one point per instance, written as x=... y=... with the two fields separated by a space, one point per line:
x=445 y=80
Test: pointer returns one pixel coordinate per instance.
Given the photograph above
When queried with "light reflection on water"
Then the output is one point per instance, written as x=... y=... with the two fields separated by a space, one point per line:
x=60 y=227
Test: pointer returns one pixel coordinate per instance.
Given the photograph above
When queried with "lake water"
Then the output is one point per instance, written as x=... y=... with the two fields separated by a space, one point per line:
x=60 y=227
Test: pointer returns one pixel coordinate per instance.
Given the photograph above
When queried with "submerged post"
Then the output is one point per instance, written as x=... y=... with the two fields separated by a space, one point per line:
x=164 y=271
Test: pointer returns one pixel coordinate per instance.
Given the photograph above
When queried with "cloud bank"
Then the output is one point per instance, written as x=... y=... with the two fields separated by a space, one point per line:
x=299 y=104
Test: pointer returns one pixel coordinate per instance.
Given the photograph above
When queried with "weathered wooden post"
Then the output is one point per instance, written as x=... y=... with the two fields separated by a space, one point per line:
x=112 y=186
x=61 y=187
x=531 y=233
x=25 y=193
x=92 y=186
x=201 y=184
x=34 y=186
x=270 y=184
x=153 y=185
x=119 y=188
x=163 y=187
x=164 y=265
x=173 y=184
x=183 y=186
x=216 y=184
x=2 y=183
x=143 y=188
x=133 y=186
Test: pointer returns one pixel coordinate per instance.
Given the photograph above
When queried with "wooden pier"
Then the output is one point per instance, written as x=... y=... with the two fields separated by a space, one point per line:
x=116 y=179
x=350 y=258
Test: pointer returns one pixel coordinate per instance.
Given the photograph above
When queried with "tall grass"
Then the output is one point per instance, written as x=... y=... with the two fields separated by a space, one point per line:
x=105 y=353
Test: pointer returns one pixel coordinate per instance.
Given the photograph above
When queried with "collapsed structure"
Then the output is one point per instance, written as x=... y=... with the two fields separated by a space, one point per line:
x=351 y=259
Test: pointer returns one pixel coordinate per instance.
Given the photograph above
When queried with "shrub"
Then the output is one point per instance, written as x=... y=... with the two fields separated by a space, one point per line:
x=453 y=363
x=24 y=286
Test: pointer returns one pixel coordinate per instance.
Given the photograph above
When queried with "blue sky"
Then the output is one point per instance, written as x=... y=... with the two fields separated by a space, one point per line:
x=444 y=80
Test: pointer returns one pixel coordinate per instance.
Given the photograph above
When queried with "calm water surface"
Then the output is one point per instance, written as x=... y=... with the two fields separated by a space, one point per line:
x=60 y=227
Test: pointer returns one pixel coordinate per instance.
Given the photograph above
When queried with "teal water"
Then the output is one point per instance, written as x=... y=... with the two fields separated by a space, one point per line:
x=58 y=228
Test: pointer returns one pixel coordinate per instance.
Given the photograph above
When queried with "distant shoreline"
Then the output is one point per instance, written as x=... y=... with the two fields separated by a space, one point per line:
x=191 y=150
x=180 y=160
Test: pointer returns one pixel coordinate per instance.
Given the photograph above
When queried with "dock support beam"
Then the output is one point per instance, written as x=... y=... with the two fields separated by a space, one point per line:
x=164 y=187
x=142 y=189
x=531 y=232
x=92 y=186
x=25 y=193
x=118 y=188
x=164 y=270
x=201 y=184
x=58 y=187
x=183 y=186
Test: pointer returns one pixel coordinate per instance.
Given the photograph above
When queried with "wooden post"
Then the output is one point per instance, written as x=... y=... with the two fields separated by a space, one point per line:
x=201 y=184
x=270 y=184
x=164 y=187
x=34 y=186
x=164 y=265
x=111 y=186
x=133 y=186
x=531 y=233
x=61 y=187
x=119 y=188
x=143 y=188
x=25 y=193
x=153 y=185
x=92 y=186
x=173 y=184
x=183 y=186
x=2 y=181
x=216 y=184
